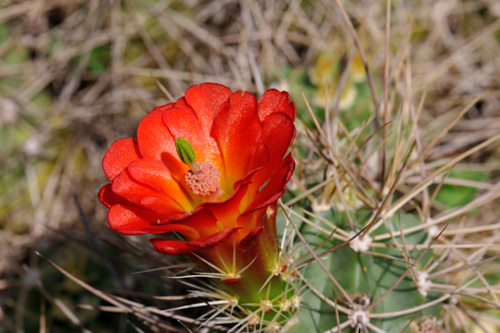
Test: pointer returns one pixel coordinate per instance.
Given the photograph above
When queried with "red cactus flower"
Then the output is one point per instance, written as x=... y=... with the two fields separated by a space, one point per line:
x=241 y=169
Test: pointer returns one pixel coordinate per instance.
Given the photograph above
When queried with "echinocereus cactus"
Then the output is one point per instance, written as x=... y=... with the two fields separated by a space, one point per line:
x=211 y=167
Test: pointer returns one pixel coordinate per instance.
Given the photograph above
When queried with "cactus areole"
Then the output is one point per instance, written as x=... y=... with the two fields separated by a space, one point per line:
x=210 y=167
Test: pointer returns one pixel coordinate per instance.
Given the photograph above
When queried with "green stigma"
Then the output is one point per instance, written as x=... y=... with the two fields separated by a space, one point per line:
x=186 y=153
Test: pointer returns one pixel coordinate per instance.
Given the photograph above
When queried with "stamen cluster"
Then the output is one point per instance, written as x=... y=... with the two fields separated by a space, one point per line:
x=206 y=181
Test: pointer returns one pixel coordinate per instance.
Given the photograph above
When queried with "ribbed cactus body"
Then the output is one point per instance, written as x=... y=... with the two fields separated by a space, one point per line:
x=364 y=276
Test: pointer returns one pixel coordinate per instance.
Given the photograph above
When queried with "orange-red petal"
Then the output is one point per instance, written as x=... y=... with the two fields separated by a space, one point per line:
x=227 y=211
x=275 y=188
x=277 y=134
x=182 y=123
x=260 y=158
x=108 y=198
x=156 y=142
x=127 y=187
x=170 y=246
x=183 y=104
x=133 y=220
x=236 y=128
x=205 y=99
x=276 y=101
x=209 y=242
x=250 y=240
x=155 y=174
x=119 y=155
x=201 y=219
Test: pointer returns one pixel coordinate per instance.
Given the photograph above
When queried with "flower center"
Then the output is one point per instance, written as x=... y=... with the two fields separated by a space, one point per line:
x=204 y=177
x=205 y=181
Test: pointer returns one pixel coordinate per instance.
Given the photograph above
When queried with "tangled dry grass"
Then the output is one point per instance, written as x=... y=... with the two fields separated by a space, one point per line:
x=77 y=75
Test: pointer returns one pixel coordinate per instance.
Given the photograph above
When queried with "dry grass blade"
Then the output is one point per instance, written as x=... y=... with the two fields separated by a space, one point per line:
x=340 y=93
x=163 y=89
x=388 y=197
x=386 y=113
x=96 y=244
x=43 y=319
x=313 y=116
x=159 y=263
x=427 y=181
x=67 y=312
x=474 y=42
x=347 y=20
x=125 y=308
x=445 y=130
x=135 y=327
